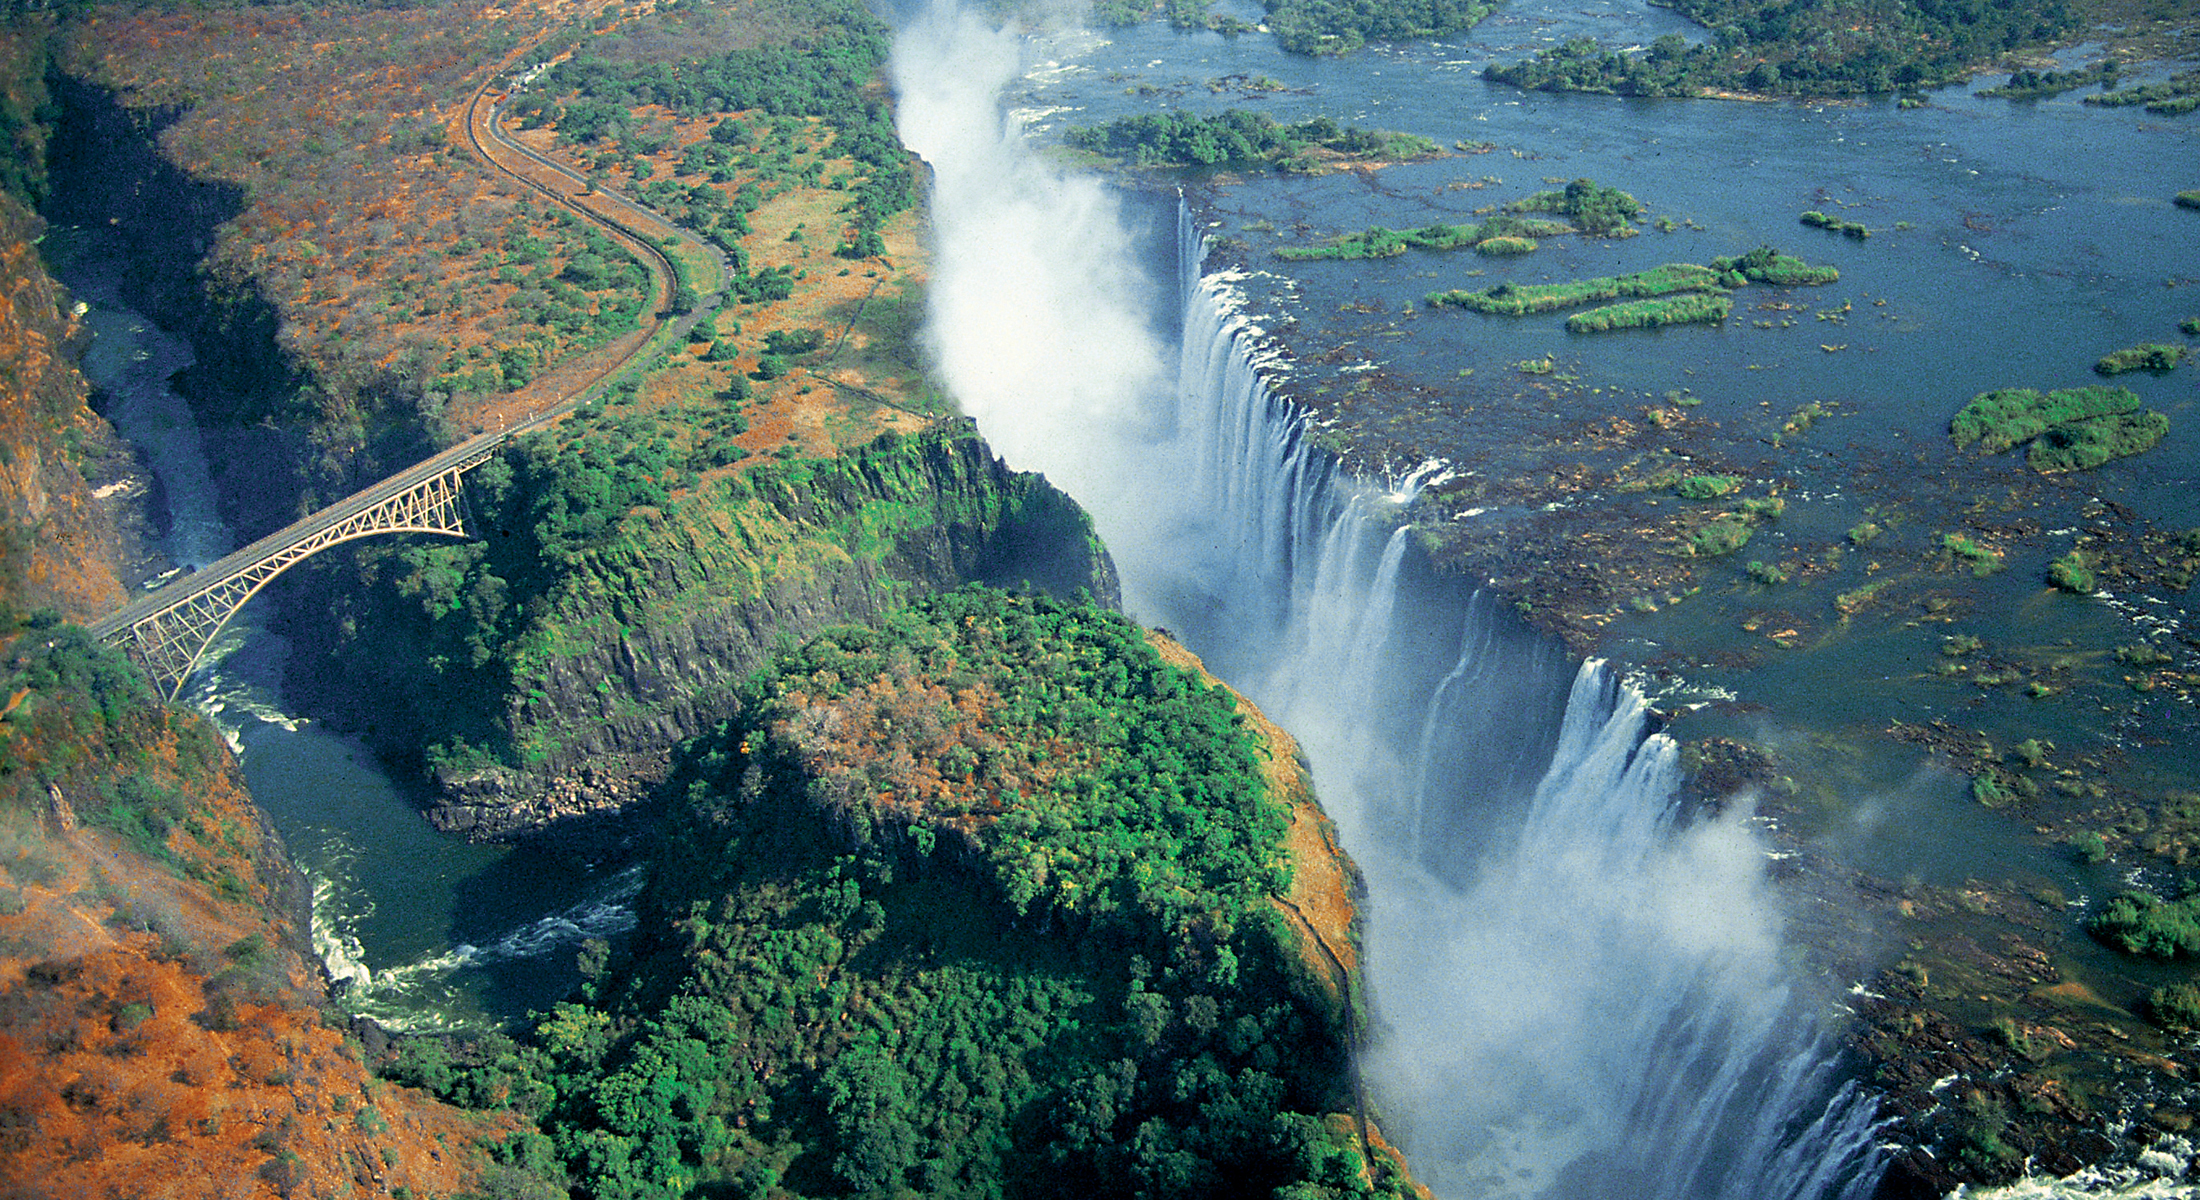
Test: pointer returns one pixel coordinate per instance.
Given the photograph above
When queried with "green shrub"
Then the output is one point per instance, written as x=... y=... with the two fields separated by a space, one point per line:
x=1516 y=299
x=2083 y=445
x=1853 y=601
x=1769 y=266
x=1505 y=246
x=1597 y=209
x=1646 y=314
x=2176 y=1007
x=1708 y=487
x=2071 y=574
x=2137 y=923
x=2008 y=417
x=2149 y=356
x=1766 y=573
x=1983 y=561
x=1724 y=535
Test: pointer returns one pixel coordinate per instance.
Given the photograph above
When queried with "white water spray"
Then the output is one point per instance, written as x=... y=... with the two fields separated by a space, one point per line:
x=1576 y=994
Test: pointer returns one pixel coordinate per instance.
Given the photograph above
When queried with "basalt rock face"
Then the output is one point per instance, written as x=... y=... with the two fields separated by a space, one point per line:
x=643 y=641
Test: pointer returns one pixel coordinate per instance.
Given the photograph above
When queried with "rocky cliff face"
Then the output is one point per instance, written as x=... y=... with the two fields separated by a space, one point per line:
x=157 y=1002
x=61 y=533
x=643 y=646
x=108 y=169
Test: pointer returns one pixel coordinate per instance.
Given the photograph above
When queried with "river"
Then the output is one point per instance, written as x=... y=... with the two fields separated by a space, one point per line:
x=1578 y=991
x=420 y=930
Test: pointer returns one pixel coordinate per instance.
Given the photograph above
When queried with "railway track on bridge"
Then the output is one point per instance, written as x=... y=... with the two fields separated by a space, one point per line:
x=168 y=630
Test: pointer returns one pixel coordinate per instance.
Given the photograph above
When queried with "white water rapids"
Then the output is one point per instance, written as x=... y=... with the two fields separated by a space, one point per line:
x=1575 y=994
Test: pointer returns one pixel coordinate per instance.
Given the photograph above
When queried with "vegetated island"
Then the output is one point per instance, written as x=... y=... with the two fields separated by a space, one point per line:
x=2070 y=429
x=996 y=892
x=1589 y=207
x=2173 y=97
x=2188 y=200
x=2045 y=85
x=1314 y=26
x=1239 y=138
x=1676 y=293
x=2148 y=356
x=1818 y=220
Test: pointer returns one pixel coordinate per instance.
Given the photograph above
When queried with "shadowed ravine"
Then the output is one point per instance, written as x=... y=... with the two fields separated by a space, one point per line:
x=1578 y=993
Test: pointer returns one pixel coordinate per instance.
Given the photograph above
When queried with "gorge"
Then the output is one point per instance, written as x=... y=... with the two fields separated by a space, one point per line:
x=1681 y=878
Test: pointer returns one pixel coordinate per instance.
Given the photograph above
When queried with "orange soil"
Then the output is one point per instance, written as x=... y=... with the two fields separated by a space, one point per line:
x=159 y=1041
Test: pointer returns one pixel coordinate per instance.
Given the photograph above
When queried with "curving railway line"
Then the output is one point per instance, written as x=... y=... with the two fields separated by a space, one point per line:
x=168 y=630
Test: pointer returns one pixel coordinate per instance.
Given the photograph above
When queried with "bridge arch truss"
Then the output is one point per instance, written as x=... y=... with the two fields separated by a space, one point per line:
x=168 y=631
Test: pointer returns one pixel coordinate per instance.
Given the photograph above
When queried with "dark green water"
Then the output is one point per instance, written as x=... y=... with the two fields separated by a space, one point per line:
x=422 y=930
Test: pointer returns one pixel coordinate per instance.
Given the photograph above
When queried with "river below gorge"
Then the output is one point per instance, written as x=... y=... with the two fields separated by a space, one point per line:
x=419 y=930
x=1479 y=475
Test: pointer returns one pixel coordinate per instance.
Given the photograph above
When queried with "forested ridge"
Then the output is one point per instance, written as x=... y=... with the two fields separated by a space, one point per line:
x=978 y=902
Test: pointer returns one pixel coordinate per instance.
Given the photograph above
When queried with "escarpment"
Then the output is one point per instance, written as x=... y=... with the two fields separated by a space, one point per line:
x=540 y=681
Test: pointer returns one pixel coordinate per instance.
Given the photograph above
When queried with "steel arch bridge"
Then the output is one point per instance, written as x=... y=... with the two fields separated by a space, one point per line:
x=168 y=631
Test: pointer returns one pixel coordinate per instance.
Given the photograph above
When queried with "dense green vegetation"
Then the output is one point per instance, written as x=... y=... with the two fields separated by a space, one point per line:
x=453 y=640
x=1593 y=207
x=2083 y=445
x=1980 y=560
x=2188 y=200
x=1671 y=67
x=1378 y=242
x=2137 y=923
x=1505 y=246
x=2009 y=417
x=2043 y=85
x=976 y=903
x=826 y=73
x=1762 y=265
x=2070 y=429
x=1801 y=47
x=1707 y=487
x=1520 y=299
x=1688 y=308
x=1342 y=26
x=2175 y=96
x=1769 y=266
x=2071 y=573
x=2151 y=356
x=1819 y=220
x=1235 y=137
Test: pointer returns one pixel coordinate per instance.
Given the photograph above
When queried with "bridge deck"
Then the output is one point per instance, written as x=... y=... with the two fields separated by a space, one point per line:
x=466 y=453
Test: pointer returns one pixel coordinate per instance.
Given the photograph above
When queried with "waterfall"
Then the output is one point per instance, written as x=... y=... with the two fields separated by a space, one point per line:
x=1577 y=992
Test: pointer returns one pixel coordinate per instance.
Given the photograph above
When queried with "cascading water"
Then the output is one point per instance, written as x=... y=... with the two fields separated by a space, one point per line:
x=1578 y=993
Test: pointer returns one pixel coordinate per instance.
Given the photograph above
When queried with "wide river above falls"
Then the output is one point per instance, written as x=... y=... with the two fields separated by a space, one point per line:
x=2012 y=244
